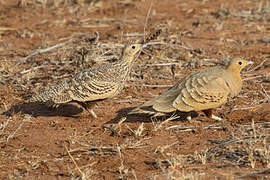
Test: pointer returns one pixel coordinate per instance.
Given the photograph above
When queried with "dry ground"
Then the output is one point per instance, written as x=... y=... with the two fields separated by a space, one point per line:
x=45 y=41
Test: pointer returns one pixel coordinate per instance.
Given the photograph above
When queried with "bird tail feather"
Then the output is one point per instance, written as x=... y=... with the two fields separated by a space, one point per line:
x=57 y=94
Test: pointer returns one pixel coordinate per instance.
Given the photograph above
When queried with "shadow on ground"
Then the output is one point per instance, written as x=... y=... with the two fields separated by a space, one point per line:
x=37 y=109
x=142 y=117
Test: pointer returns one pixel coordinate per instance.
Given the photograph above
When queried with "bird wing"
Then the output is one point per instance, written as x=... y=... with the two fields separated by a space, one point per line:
x=93 y=85
x=164 y=102
x=201 y=91
x=56 y=94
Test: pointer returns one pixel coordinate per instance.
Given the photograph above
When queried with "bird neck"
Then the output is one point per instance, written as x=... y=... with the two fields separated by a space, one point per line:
x=236 y=81
x=235 y=72
x=125 y=60
x=123 y=66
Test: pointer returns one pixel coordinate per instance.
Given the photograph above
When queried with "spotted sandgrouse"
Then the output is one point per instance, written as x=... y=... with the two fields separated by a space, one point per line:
x=94 y=84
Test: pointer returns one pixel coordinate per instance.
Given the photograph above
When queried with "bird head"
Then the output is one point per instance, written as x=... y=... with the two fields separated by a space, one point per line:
x=131 y=50
x=238 y=64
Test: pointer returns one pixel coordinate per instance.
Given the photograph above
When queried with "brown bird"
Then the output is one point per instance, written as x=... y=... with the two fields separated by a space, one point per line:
x=202 y=90
x=94 y=84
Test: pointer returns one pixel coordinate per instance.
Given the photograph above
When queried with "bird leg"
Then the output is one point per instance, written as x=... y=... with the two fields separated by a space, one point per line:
x=190 y=120
x=209 y=114
x=88 y=106
x=190 y=115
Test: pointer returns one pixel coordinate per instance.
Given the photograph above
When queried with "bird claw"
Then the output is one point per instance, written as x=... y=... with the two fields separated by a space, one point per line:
x=92 y=113
x=216 y=118
x=189 y=118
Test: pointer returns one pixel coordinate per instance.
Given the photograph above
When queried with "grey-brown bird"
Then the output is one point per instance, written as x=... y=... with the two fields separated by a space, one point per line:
x=94 y=84
x=202 y=90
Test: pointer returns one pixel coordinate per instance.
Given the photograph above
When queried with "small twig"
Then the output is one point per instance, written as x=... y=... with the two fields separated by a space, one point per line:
x=162 y=64
x=28 y=117
x=32 y=69
x=251 y=78
x=105 y=20
x=266 y=171
x=133 y=35
x=44 y=50
x=234 y=141
x=3 y=126
x=244 y=108
x=150 y=85
x=180 y=127
x=213 y=149
x=170 y=59
x=7 y=29
x=134 y=174
x=120 y=123
x=182 y=46
x=173 y=117
x=95 y=149
x=155 y=43
x=121 y=168
x=257 y=67
x=146 y=19
x=265 y=92
x=73 y=160
x=109 y=45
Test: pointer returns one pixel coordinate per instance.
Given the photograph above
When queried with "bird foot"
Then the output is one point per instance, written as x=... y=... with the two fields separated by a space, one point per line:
x=189 y=118
x=88 y=107
x=92 y=113
x=212 y=116
x=216 y=118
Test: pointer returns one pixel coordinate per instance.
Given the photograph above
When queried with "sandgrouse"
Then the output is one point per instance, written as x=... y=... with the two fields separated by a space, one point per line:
x=94 y=84
x=202 y=90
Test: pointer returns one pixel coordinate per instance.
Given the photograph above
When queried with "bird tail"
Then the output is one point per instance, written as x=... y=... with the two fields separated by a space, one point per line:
x=159 y=105
x=57 y=94
x=147 y=108
x=149 y=111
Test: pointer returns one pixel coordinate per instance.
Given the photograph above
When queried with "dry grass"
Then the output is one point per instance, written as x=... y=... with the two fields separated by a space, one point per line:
x=248 y=148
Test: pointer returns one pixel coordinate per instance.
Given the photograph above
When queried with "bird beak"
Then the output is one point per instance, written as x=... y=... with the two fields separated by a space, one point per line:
x=144 y=46
x=250 y=62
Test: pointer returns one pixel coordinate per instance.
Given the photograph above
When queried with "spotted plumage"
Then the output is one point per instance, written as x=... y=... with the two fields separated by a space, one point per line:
x=94 y=84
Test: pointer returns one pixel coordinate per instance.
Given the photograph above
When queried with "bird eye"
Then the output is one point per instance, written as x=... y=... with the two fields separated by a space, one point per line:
x=240 y=63
x=133 y=47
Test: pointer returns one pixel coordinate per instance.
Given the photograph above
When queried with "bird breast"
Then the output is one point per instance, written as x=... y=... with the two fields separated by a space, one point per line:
x=234 y=82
